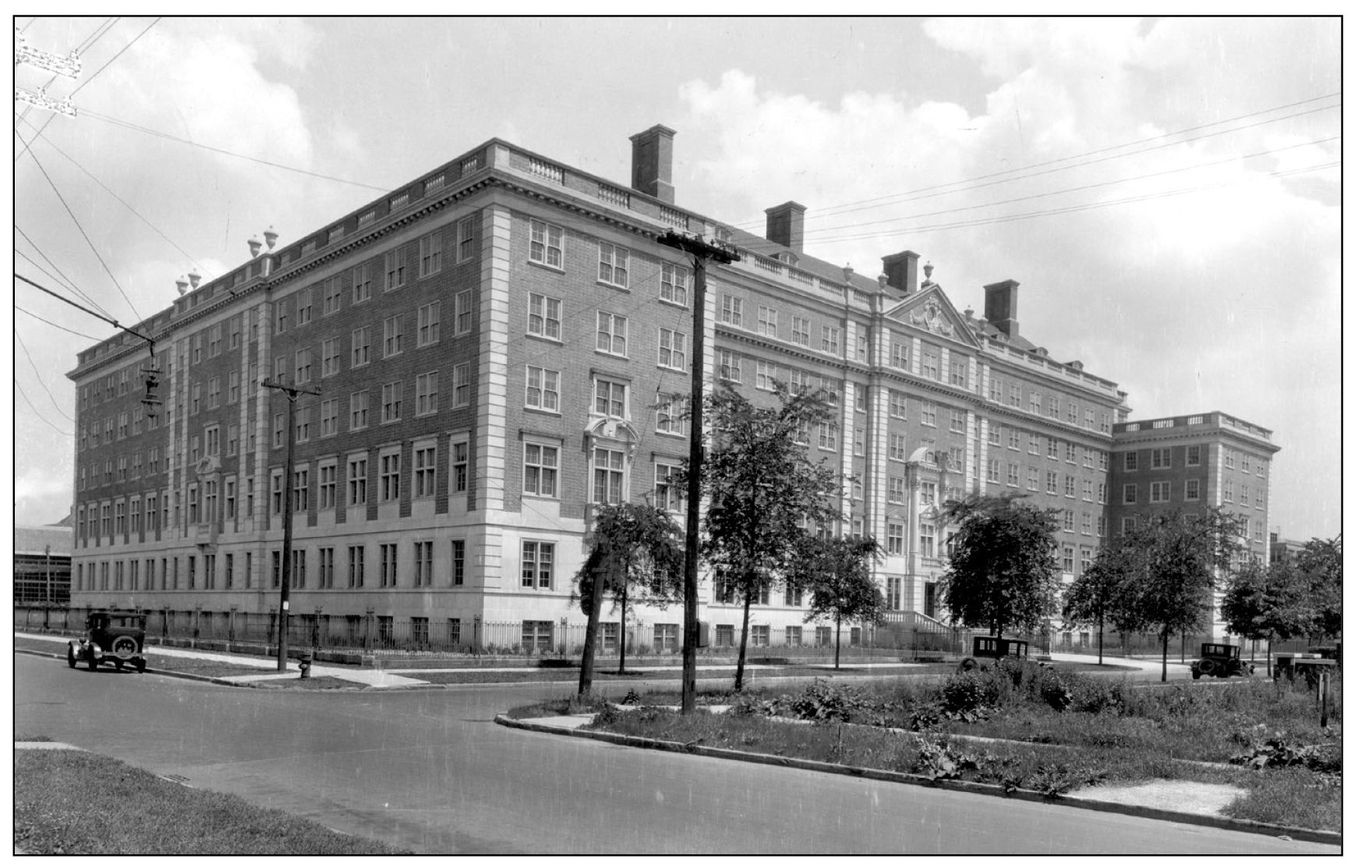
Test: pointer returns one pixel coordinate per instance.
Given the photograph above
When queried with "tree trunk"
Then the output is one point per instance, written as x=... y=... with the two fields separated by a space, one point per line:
x=1164 y=677
x=1099 y=640
x=742 y=644
x=624 y=609
x=592 y=623
x=837 y=645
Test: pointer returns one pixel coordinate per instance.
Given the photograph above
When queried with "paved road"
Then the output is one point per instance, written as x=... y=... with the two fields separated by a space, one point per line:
x=430 y=771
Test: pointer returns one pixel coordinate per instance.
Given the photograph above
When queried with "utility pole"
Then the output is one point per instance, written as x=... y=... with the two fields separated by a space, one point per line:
x=285 y=568
x=700 y=252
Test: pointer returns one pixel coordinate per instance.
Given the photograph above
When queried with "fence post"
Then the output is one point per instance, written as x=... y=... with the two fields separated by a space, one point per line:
x=1324 y=698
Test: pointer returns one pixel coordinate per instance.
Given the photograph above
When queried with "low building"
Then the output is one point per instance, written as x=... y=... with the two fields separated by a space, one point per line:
x=42 y=565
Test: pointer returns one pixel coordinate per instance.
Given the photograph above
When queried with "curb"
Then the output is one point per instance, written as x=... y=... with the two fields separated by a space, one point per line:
x=1239 y=824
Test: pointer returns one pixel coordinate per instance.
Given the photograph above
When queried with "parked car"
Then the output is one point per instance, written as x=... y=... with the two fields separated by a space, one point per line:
x=988 y=647
x=1220 y=660
x=111 y=637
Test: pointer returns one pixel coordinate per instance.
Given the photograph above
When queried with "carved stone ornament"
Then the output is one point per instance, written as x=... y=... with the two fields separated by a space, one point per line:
x=929 y=317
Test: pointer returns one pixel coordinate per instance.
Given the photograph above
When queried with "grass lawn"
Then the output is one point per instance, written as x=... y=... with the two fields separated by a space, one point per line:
x=1026 y=727
x=78 y=803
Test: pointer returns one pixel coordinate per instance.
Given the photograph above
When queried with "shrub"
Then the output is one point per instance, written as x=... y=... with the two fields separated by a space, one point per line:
x=968 y=691
x=824 y=701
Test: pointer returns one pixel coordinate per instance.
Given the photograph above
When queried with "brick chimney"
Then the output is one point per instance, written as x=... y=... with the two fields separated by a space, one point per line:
x=653 y=163
x=1000 y=306
x=785 y=225
x=901 y=269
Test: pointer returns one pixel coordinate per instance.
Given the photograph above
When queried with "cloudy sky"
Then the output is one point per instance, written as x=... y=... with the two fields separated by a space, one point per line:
x=1167 y=192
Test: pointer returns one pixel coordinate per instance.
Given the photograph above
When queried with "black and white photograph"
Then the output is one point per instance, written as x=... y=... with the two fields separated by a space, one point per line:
x=647 y=434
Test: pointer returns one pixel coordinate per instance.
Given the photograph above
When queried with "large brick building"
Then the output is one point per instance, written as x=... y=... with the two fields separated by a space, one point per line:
x=494 y=344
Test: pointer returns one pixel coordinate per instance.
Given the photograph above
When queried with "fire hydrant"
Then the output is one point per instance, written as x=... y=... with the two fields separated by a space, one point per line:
x=305 y=666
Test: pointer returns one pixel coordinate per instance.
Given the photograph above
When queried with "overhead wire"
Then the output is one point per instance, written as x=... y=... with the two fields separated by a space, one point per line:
x=36 y=413
x=70 y=284
x=40 y=287
x=55 y=325
x=39 y=376
x=117 y=197
x=95 y=74
x=81 y=228
x=1083 y=188
x=86 y=45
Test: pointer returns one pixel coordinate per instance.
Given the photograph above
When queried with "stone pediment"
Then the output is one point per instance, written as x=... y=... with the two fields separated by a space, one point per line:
x=616 y=430
x=931 y=311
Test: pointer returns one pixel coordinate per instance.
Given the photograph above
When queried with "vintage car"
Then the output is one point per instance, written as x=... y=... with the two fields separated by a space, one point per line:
x=988 y=647
x=1220 y=660
x=111 y=637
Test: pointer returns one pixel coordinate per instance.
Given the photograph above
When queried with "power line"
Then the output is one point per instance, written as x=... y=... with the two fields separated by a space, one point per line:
x=89 y=43
x=113 y=322
x=91 y=243
x=1000 y=177
x=157 y=133
x=102 y=186
x=40 y=377
x=99 y=33
x=1085 y=187
x=95 y=74
x=36 y=413
x=55 y=325
x=64 y=278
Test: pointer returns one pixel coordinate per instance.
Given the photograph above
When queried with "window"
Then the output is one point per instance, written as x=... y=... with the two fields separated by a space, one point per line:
x=546 y=244
x=832 y=340
x=1159 y=491
x=898 y=446
x=759 y=635
x=894 y=490
x=1161 y=458
x=541 y=469
x=326 y=567
x=898 y=404
x=304 y=307
x=428 y=324
x=1193 y=455
x=800 y=328
x=359 y=347
x=1033 y=443
x=1032 y=478
x=1013 y=475
x=926 y=540
x=389 y=477
x=671 y=349
x=363 y=284
x=467 y=238
x=326 y=486
x=958 y=421
x=669 y=418
x=669 y=491
x=612 y=333
x=423 y=471
x=394 y=269
x=1035 y=402
x=894 y=539
x=277 y=432
x=357 y=480
x=931 y=364
x=427 y=393
x=541 y=388
x=728 y=364
x=1129 y=494
x=330 y=357
x=456 y=561
x=1069 y=486
x=766 y=376
x=1068 y=520
x=1087 y=490
x=463 y=312
x=424 y=554
x=928 y=414
x=536 y=565
x=608 y=476
x=300 y=489
x=387 y=565
x=459 y=465
x=463 y=384
x=1132 y=461
x=429 y=251
x=767 y=321
x=612 y=398
x=392 y=402
x=614 y=268
x=302 y=366
x=546 y=316
x=730 y=310
x=1070 y=452
x=1067 y=560
x=359 y=410
x=392 y=336
x=331 y=296
x=675 y=285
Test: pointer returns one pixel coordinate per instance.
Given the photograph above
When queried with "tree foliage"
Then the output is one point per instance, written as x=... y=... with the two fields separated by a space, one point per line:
x=1320 y=565
x=763 y=490
x=1100 y=595
x=1268 y=603
x=631 y=546
x=837 y=571
x=1002 y=573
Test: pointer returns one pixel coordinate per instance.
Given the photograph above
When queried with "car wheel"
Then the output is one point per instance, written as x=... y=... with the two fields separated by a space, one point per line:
x=1196 y=674
x=141 y=665
x=125 y=648
x=1206 y=666
x=92 y=662
x=70 y=656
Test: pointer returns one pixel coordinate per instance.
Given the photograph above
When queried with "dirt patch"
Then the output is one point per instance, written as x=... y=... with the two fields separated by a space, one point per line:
x=1196 y=798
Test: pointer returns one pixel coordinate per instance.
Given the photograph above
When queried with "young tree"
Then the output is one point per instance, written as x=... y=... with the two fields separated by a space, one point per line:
x=1320 y=564
x=1268 y=603
x=1100 y=594
x=1174 y=560
x=762 y=488
x=630 y=545
x=1002 y=573
x=837 y=570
